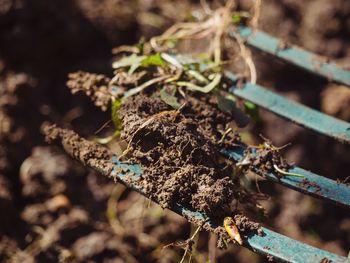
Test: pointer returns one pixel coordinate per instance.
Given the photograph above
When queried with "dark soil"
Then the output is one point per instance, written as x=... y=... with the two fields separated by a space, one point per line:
x=45 y=194
x=167 y=188
x=265 y=158
x=306 y=184
x=89 y=153
x=93 y=85
x=180 y=163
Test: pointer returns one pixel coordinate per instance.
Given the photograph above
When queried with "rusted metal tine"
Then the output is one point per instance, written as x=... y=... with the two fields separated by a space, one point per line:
x=295 y=55
x=270 y=243
x=297 y=113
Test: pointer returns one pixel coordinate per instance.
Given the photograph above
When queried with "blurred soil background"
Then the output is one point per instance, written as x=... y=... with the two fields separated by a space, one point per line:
x=53 y=209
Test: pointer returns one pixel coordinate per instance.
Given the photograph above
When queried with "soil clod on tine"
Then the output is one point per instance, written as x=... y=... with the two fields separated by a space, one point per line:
x=180 y=164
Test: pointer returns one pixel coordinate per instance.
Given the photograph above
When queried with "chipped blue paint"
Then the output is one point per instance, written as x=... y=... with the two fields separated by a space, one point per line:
x=132 y=168
x=311 y=184
x=295 y=55
x=298 y=113
x=271 y=243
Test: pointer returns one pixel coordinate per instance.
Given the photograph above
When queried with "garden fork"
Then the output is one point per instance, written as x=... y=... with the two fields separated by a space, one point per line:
x=272 y=244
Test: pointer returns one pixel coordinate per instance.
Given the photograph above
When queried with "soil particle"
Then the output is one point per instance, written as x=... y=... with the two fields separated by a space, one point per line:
x=95 y=86
x=36 y=214
x=325 y=260
x=101 y=245
x=88 y=246
x=346 y=181
x=58 y=202
x=89 y=153
x=212 y=123
x=14 y=88
x=306 y=184
x=6 y=204
x=180 y=165
x=65 y=224
x=335 y=100
x=245 y=227
x=265 y=159
x=244 y=224
x=5 y=192
x=270 y=258
x=314 y=34
x=42 y=173
x=110 y=16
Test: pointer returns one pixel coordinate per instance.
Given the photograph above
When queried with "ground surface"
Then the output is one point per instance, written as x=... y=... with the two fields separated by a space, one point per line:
x=55 y=209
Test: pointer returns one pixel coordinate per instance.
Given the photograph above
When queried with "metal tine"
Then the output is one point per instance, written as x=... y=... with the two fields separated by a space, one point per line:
x=310 y=183
x=295 y=55
x=286 y=249
x=297 y=113
x=270 y=243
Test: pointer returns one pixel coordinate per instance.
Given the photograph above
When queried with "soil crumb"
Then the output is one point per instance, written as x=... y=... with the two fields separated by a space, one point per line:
x=325 y=260
x=306 y=184
x=244 y=224
x=265 y=159
x=89 y=153
x=335 y=100
x=95 y=86
x=180 y=163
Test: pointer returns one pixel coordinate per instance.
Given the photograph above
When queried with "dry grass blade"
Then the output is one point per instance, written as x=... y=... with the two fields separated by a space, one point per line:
x=140 y=88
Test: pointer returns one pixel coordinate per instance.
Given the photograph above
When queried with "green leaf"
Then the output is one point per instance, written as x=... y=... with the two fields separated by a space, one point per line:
x=115 y=116
x=133 y=61
x=236 y=18
x=153 y=60
x=169 y=99
x=252 y=110
x=205 y=89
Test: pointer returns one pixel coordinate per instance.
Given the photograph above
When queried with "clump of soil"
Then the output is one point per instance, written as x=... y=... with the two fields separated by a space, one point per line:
x=89 y=153
x=244 y=224
x=43 y=173
x=180 y=163
x=306 y=184
x=96 y=86
x=335 y=100
x=266 y=159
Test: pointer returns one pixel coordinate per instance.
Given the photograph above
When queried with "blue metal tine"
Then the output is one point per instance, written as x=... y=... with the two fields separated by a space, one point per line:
x=298 y=113
x=295 y=55
x=311 y=184
x=270 y=243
